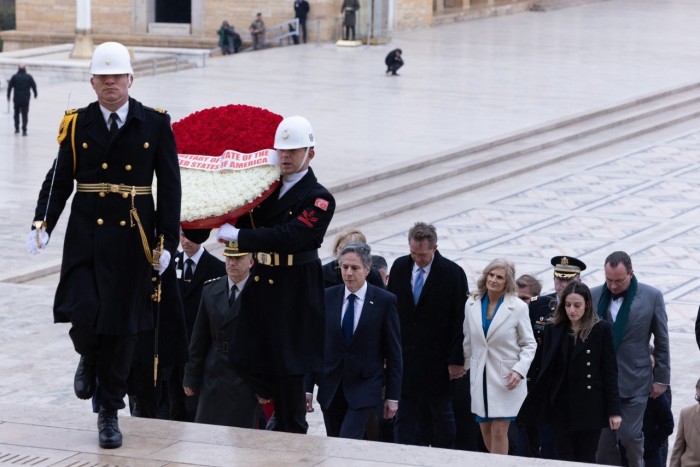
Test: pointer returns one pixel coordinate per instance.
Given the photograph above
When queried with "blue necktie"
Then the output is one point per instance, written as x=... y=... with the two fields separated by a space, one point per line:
x=418 y=286
x=349 y=320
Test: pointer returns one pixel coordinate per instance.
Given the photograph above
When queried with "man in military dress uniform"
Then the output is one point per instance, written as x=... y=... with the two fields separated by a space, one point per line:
x=567 y=269
x=280 y=335
x=112 y=149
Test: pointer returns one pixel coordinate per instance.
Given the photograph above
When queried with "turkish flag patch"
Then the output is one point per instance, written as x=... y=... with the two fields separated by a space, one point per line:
x=321 y=204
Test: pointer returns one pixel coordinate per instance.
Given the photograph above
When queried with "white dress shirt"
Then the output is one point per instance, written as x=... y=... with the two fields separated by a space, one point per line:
x=359 y=301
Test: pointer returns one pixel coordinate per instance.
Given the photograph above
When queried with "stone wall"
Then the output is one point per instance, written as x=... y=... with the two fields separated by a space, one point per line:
x=47 y=22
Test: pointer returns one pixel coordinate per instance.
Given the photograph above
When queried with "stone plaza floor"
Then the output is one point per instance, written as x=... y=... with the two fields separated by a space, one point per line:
x=463 y=84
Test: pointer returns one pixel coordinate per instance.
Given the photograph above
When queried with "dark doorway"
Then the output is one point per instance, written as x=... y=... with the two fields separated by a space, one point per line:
x=173 y=11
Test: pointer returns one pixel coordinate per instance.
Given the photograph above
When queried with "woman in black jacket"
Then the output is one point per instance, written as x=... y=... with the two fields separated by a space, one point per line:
x=577 y=387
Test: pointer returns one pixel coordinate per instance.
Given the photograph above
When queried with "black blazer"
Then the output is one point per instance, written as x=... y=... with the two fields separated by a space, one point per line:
x=592 y=380
x=431 y=331
x=360 y=367
x=208 y=267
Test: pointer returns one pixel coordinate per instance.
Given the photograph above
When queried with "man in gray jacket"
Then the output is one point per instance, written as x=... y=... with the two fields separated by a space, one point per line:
x=637 y=312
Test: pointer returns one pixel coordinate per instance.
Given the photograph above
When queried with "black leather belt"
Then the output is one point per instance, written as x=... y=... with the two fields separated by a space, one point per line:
x=281 y=259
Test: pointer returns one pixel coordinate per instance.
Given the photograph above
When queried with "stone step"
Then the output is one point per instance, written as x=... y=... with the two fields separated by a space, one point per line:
x=402 y=189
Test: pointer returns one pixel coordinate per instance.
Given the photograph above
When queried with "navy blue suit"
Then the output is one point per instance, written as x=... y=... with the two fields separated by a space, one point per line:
x=350 y=387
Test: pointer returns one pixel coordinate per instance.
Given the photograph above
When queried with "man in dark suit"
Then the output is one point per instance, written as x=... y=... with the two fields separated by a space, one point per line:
x=224 y=399
x=281 y=326
x=112 y=148
x=194 y=265
x=431 y=292
x=637 y=312
x=362 y=332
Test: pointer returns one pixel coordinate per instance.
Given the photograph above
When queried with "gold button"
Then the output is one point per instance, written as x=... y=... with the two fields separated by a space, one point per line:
x=122 y=223
x=100 y=222
x=102 y=194
x=588 y=387
x=588 y=376
x=588 y=350
x=125 y=195
x=104 y=165
x=153 y=279
x=256 y=278
x=290 y=213
x=270 y=281
x=128 y=167
x=588 y=363
x=85 y=146
x=146 y=145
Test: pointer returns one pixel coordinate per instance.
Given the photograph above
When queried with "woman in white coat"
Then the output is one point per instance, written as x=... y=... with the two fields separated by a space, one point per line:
x=498 y=349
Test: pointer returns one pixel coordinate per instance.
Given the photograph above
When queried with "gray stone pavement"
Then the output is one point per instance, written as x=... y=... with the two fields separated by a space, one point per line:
x=462 y=84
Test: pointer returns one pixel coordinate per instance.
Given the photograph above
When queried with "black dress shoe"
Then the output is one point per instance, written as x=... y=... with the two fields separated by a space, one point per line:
x=108 y=426
x=84 y=382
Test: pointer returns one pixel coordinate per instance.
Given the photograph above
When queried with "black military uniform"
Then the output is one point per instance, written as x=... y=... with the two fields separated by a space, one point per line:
x=105 y=282
x=281 y=328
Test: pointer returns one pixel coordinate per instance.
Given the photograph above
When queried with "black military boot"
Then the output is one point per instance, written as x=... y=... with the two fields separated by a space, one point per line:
x=84 y=382
x=108 y=426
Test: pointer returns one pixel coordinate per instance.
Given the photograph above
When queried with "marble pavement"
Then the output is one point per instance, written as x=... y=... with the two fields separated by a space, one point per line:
x=462 y=84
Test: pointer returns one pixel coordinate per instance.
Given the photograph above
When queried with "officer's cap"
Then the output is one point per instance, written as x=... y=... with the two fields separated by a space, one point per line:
x=231 y=249
x=567 y=267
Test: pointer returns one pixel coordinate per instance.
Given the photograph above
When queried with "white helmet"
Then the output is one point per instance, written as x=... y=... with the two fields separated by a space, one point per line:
x=111 y=58
x=294 y=133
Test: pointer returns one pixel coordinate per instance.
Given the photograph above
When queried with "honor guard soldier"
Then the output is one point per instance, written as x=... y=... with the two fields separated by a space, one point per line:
x=112 y=148
x=281 y=327
x=567 y=269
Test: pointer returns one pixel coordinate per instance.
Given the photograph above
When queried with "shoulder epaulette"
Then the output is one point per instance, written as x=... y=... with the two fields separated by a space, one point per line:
x=534 y=298
x=155 y=109
x=72 y=111
x=211 y=281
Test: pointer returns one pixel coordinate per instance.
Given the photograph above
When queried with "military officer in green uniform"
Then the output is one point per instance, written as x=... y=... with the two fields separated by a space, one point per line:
x=112 y=148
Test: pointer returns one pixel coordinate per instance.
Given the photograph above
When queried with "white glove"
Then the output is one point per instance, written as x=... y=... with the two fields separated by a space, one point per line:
x=37 y=243
x=227 y=233
x=163 y=262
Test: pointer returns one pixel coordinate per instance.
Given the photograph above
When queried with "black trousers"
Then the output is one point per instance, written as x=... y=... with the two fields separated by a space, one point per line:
x=576 y=446
x=289 y=398
x=342 y=421
x=394 y=67
x=21 y=108
x=346 y=36
x=112 y=356
x=434 y=411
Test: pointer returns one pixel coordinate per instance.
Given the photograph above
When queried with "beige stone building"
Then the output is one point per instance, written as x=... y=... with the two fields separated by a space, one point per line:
x=193 y=23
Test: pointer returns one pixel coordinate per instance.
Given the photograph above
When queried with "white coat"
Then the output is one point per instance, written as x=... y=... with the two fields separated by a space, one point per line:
x=509 y=345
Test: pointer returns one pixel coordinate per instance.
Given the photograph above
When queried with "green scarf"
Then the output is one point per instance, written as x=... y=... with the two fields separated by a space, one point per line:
x=622 y=315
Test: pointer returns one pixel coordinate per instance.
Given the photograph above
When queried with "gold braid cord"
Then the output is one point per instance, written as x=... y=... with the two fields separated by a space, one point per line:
x=134 y=215
x=70 y=117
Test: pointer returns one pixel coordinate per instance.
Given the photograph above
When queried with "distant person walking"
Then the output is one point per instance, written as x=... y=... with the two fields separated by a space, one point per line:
x=393 y=62
x=22 y=82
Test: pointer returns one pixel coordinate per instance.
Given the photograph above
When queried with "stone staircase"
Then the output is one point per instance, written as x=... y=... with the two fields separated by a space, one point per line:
x=371 y=198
